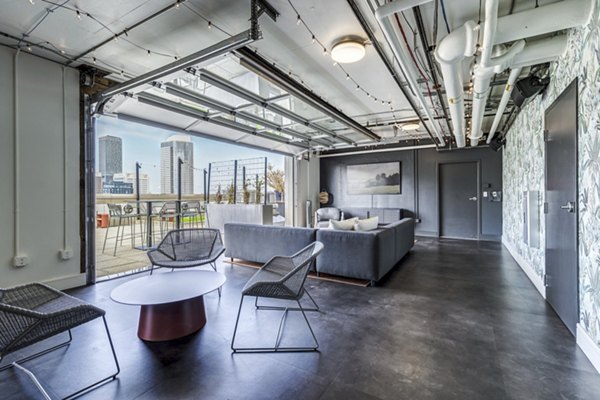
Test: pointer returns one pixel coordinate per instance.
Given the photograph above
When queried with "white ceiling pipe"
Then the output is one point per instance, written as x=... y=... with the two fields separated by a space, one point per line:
x=512 y=78
x=450 y=53
x=534 y=53
x=481 y=86
x=544 y=19
x=400 y=53
x=541 y=51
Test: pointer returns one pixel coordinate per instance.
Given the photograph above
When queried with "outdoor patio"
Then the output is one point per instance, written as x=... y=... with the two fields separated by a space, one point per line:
x=126 y=260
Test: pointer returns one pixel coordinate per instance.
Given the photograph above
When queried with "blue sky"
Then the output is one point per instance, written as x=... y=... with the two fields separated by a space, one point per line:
x=141 y=143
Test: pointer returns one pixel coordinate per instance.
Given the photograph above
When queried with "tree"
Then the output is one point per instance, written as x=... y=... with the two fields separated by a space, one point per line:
x=246 y=191
x=258 y=189
x=276 y=179
x=218 y=195
x=230 y=194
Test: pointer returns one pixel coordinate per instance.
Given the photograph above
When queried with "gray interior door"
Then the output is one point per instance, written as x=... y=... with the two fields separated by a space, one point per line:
x=561 y=207
x=458 y=200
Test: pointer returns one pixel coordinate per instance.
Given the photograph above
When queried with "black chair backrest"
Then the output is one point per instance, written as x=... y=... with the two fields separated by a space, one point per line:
x=190 y=244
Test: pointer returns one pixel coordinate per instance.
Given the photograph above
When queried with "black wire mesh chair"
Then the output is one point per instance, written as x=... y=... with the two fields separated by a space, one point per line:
x=281 y=278
x=186 y=248
x=34 y=312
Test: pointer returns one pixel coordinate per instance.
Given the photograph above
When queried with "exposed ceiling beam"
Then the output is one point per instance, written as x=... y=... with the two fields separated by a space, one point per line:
x=255 y=63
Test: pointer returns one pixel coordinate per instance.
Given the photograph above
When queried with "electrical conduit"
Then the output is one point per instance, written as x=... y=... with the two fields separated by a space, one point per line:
x=382 y=14
x=16 y=188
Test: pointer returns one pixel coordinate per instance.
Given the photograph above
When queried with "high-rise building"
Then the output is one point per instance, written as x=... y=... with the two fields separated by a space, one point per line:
x=129 y=177
x=174 y=148
x=110 y=156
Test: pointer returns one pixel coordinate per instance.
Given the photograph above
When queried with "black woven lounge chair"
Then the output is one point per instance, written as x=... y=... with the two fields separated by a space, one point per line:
x=34 y=312
x=281 y=278
x=186 y=248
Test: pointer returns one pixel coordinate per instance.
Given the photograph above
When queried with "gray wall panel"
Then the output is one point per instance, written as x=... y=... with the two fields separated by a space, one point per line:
x=419 y=172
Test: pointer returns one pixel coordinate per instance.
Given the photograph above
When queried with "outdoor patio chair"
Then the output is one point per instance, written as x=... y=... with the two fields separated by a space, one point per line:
x=186 y=248
x=123 y=215
x=34 y=312
x=168 y=215
x=281 y=278
x=192 y=212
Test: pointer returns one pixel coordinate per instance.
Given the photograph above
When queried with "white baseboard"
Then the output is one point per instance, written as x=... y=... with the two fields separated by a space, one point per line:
x=526 y=267
x=590 y=349
x=66 y=282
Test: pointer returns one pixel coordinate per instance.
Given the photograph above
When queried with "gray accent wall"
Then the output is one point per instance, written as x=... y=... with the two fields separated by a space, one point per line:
x=419 y=191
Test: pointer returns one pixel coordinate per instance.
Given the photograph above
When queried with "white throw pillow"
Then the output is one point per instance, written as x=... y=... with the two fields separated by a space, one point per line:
x=368 y=224
x=343 y=225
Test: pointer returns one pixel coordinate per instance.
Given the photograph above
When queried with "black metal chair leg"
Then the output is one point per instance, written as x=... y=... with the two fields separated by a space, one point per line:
x=104 y=380
x=237 y=320
x=41 y=353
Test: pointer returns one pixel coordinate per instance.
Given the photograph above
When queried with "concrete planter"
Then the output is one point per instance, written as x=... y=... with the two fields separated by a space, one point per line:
x=220 y=214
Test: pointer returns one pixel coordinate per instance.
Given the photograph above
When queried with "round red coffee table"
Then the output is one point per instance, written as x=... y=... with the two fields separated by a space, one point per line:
x=172 y=304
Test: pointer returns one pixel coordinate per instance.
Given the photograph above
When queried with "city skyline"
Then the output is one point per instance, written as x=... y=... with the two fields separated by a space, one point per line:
x=141 y=143
x=175 y=148
x=110 y=156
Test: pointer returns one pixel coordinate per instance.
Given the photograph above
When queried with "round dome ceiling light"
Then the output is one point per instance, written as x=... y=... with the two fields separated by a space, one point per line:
x=411 y=126
x=348 y=51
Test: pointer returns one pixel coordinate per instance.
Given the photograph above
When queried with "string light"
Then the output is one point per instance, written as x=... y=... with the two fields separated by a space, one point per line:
x=94 y=60
x=78 y=15
x=209 y=25
x=31 y=2
x=149 y=53
x=29 y=48
x=298 y=20
x=314 y=39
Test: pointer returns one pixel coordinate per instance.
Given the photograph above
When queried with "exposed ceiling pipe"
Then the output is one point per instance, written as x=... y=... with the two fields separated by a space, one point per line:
x=486 y=67
x=544 y=19
x=379 y=49
x=537 y=52
x=430 y=65
x=512 y=78
x=382 y=15
x=459 y=44
x=541 y=51
x=450 y=53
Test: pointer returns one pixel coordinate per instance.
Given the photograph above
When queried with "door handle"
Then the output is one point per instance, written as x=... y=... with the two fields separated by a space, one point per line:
x=474 y=198
x=570 y=207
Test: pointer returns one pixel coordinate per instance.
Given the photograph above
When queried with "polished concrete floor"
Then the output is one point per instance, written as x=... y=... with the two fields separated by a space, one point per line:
x=455 y=320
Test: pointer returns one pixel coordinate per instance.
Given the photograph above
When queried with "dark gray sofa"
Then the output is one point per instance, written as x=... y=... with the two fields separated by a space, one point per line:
x=362 y=255
x=365 y=255
x=259 y=243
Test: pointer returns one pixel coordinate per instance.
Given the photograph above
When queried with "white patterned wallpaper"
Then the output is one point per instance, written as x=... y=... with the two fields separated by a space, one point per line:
x=523 y=165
